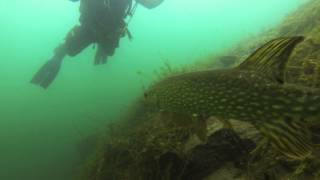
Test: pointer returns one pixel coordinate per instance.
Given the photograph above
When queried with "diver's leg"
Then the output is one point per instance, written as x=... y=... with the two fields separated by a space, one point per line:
x=106 y=47
x=77 y=39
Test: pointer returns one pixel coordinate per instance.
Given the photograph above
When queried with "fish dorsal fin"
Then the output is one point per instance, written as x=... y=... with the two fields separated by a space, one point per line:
x=271 y=58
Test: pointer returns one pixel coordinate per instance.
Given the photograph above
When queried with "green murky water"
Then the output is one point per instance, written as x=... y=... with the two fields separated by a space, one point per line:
x=39 y=129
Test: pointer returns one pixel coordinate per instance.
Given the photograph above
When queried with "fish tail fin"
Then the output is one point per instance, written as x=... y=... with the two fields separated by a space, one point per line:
x=289 y=137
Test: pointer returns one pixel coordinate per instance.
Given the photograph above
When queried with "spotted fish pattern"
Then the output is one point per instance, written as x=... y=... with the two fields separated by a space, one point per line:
x=254 y=92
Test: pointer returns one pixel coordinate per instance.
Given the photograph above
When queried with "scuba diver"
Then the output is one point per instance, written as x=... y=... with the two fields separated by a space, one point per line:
x=101 y=22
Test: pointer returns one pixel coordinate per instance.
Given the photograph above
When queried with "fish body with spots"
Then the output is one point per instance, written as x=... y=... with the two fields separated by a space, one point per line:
x=242 y=95
x=254 y=92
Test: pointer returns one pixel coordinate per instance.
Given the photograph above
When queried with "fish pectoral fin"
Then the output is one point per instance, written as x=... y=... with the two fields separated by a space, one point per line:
x=226 y=123
x=200 y=127
x=289 y=137
x=261 y=147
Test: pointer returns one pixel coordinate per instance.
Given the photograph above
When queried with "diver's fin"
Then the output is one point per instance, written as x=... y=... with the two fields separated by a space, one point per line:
x=271 y=58
x=288 y=136
x=47 y=73
x=102 y=59
x=101 y=56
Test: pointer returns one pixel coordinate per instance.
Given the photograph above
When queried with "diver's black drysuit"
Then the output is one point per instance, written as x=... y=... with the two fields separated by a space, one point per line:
x=102 y=22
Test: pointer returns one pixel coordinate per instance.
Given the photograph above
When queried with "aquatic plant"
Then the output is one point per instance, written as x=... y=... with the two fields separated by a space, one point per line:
x=168 y=69
x=136 y=154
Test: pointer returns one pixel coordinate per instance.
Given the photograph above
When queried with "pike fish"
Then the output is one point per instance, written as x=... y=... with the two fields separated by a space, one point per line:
x=255 y=92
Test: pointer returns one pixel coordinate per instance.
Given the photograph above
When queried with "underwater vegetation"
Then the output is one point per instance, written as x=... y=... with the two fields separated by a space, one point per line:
x=270 y=143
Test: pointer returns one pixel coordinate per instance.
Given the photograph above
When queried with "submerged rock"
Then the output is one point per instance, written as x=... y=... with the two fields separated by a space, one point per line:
x=223 y=146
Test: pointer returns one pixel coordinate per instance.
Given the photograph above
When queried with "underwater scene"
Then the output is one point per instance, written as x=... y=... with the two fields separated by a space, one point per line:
x=160 y=90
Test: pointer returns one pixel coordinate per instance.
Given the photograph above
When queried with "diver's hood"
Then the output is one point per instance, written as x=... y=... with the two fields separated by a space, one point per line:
x=150 y=3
